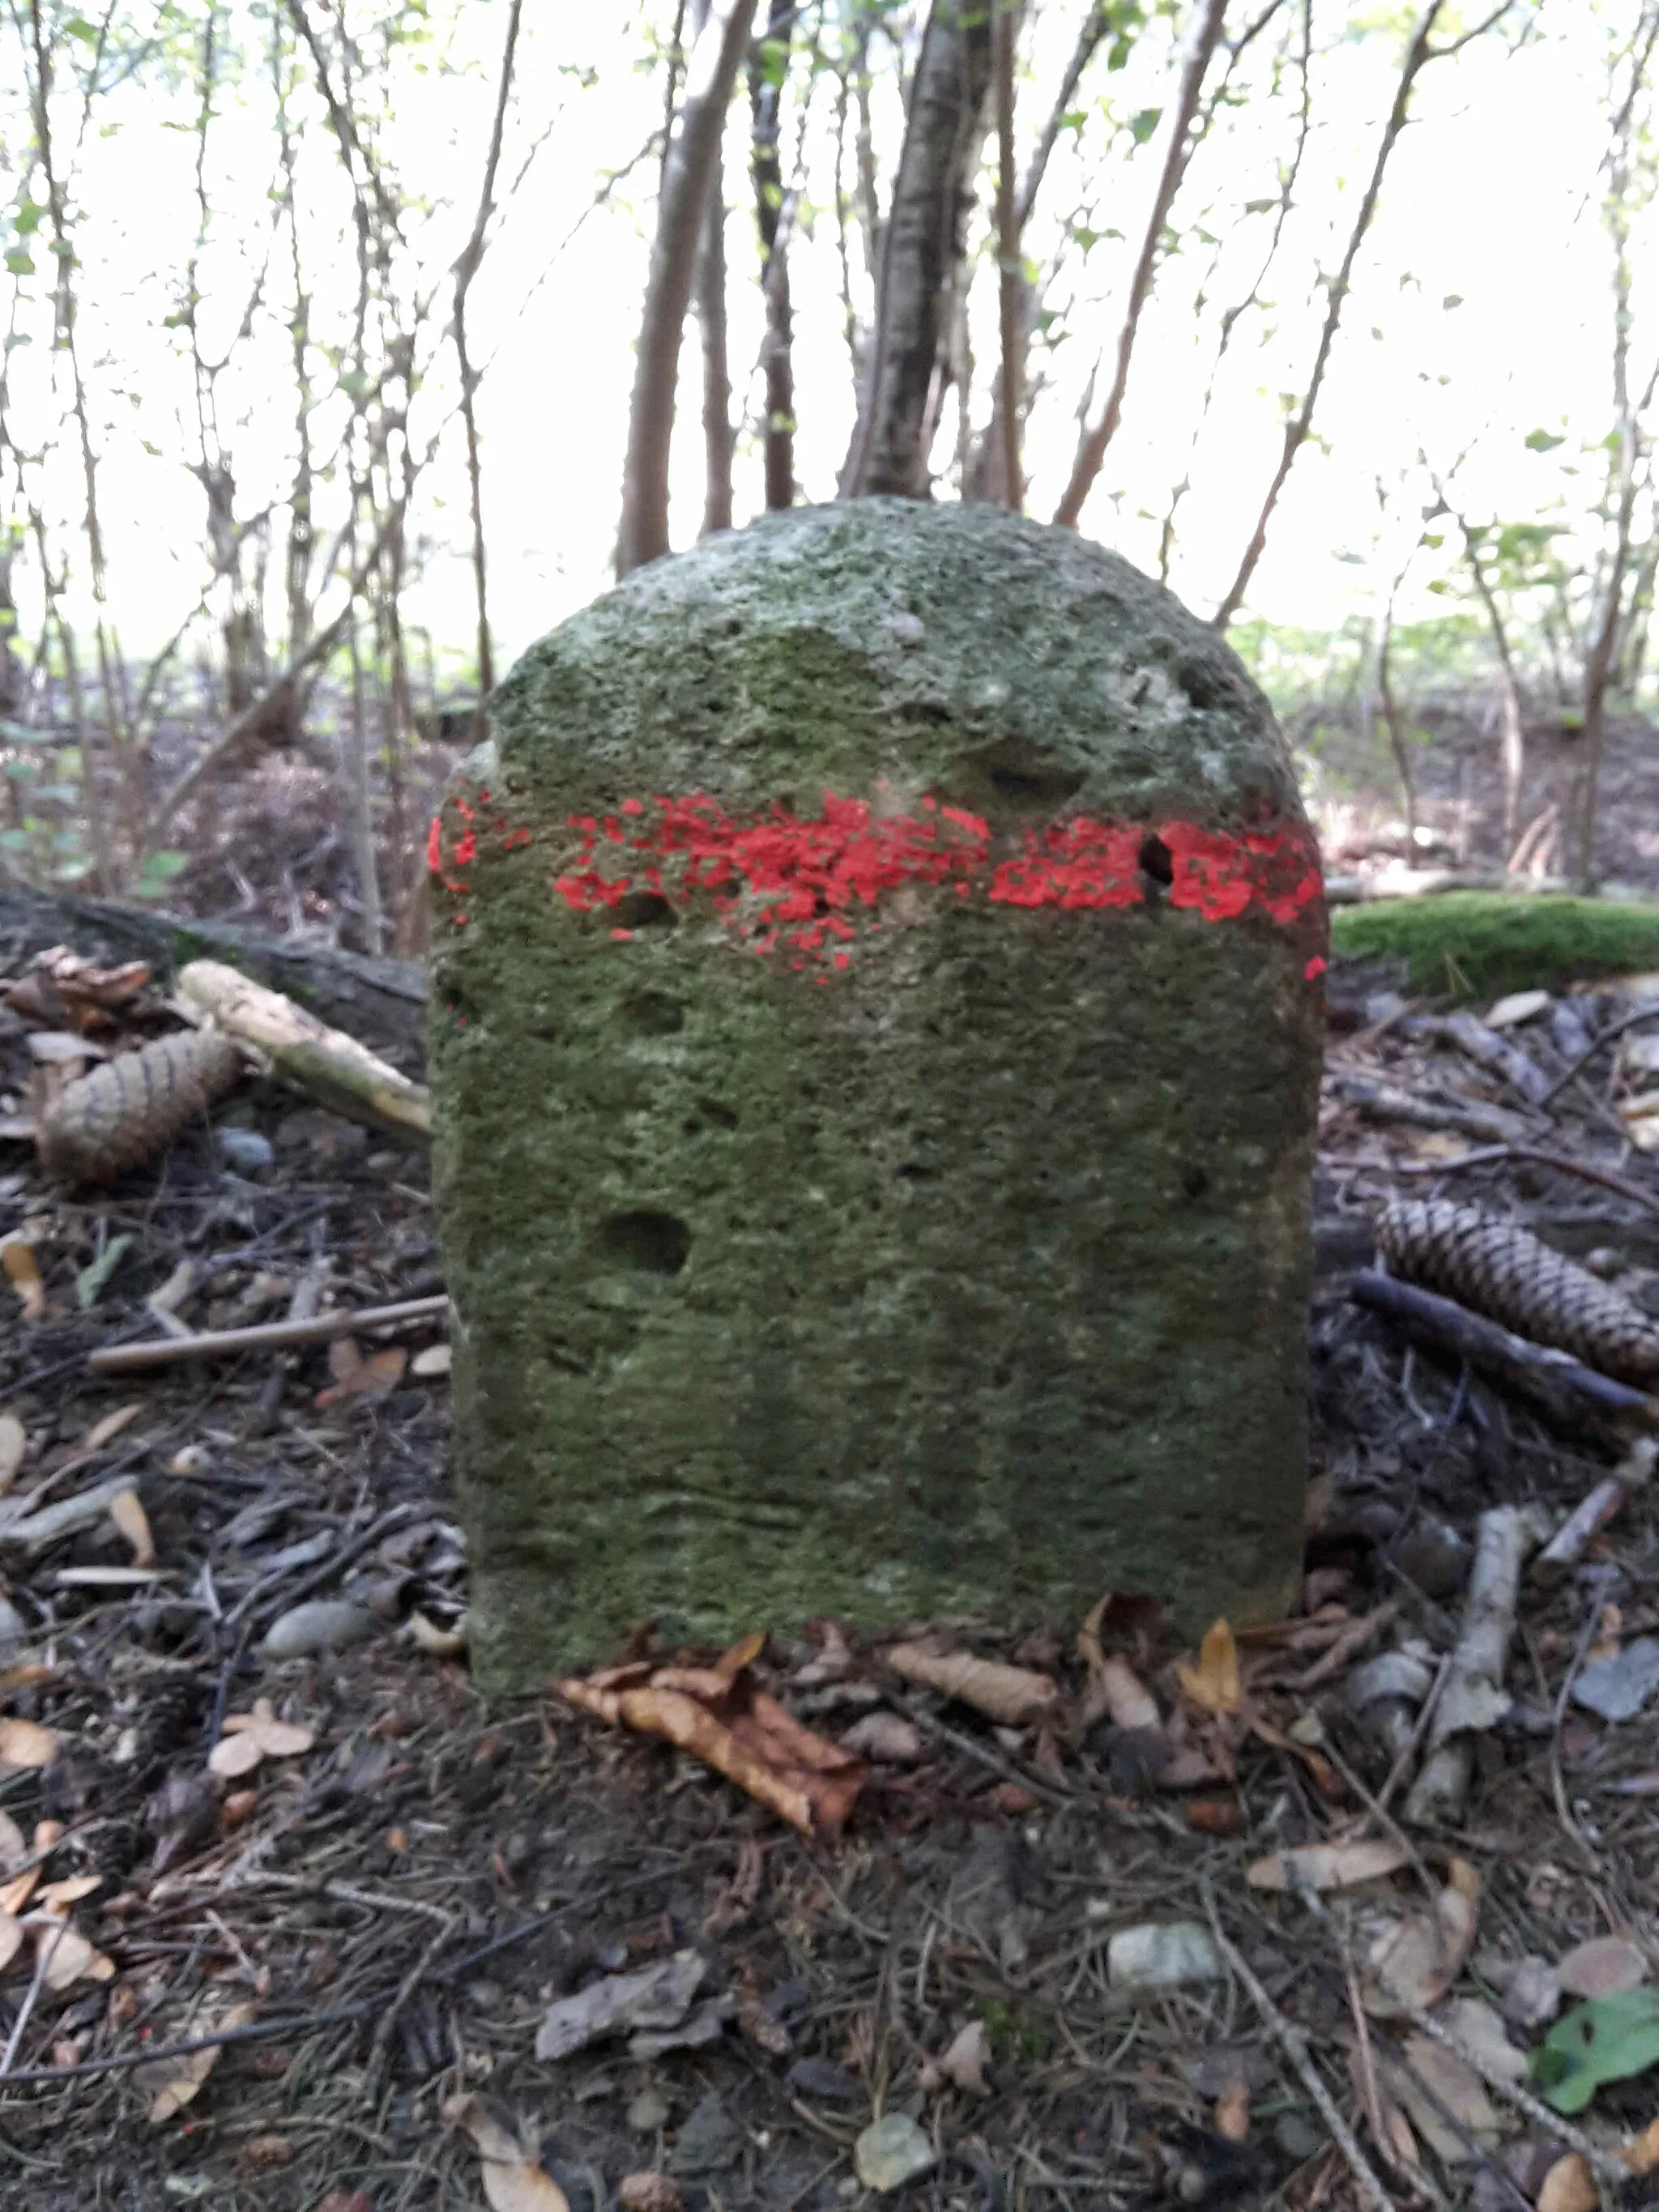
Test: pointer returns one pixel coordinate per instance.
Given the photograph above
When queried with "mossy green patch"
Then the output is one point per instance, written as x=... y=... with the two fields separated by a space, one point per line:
x=1476 y=944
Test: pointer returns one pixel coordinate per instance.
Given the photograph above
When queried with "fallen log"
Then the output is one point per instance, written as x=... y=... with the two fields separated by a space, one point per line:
x=1568 y=1392
x=1387 y=1101
x=381 y=1001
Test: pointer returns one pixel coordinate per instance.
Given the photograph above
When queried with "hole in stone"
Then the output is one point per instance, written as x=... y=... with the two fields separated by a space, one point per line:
x=1205 y=686
x=1016 y=777
x=914 y=1171
x=656 y=1244
x=927 y=711
x=1196 y=1182
x=642 y=910
x=1156 y=861
x=653 y=1013
x=723 y=1117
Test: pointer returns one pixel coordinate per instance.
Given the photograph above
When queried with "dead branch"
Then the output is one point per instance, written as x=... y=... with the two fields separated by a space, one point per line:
x=1387 y=1101
x=1205 y=34
x=1569 y=1393
x=1474 y=1697
x=266 y=1336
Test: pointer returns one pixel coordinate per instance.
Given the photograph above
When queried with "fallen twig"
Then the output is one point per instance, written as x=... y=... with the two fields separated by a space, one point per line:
x=1610 y=2168
x=1294 y=2043
x=263 y=1336
x=1567 y=1547
x=1386 y=1102
x=1565 y=1389
x=1489 y=1155
x=245 y=2032
x=1475 y=1696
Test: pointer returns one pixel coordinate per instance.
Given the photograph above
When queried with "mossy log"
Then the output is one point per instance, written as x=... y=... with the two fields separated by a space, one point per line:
x=1475 y=944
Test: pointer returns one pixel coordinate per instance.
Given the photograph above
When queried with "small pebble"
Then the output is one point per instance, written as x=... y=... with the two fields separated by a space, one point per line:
x=324 y=1624
x=1161 y=1955
x=244 y=1149
x=891 y=2152
x=648 y=2112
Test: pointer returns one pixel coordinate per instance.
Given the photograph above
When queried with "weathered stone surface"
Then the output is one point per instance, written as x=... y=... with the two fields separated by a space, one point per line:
x=875 y=1034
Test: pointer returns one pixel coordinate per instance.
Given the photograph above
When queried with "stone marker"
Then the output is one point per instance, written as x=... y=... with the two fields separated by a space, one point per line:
x=875 y=1034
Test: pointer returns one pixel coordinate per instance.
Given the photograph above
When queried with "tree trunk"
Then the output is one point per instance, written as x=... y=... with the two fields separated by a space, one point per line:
x=718 y=437
x=1011 y=286
x=922 y=255
x=687 y=178
x=767 y=72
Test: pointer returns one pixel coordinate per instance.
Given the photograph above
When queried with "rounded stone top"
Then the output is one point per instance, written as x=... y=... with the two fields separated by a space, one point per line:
x=1002 y=663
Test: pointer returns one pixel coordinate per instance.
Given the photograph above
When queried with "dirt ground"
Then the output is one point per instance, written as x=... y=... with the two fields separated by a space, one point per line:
x=371 y=1926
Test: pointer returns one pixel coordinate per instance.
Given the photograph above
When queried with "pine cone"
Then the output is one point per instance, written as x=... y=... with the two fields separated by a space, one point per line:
x=1504 y=1272
x=133 y=1105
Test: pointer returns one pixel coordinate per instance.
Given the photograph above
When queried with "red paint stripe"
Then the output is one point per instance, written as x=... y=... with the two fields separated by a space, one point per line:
x=780 y=878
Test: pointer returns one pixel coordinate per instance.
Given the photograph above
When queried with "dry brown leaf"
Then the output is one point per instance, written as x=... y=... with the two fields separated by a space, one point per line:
x=437 y=1642
x=26 y=1744
x=1114 y=1689
x=1641 y=2153
x=512 y=2183
x=129 y=1517
x=23 y=1273
x=1412 y=1962
x=173 y=2082
x=1569 y=2186
x=14 y=1444
x=1326 y=1866
x=17 y=1893
x=431 y=1360
x=357 y=1377
x=718 y=1715
x=1010 y=1695
x=1457 y=2088
x=11 y=1938
x=1214 y=1685
x=58 y=1896
x=888 y=1739
x=105 y=1430
x=1232 y=2113
x=14 y=1844
x=250 y=1737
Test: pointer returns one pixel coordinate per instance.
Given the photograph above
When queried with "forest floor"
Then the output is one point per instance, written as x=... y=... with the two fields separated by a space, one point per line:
x=317 y=1980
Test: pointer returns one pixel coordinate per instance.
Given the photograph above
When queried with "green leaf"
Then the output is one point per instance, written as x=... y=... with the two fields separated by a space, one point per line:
x=1142 y=126
x=158 y=873
x=28 y=217
x=1607 y=2040
x=78 y=28
x=1452 y=300
x=91 y=1280
x=16 y=733
x=19 y=261
x=1540 y=441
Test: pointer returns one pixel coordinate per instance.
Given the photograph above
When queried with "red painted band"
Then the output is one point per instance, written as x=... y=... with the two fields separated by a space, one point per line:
x=781 y=878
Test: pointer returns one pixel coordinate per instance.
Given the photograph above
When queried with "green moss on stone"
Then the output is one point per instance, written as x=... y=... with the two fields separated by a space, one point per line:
x=1475 y=944
x=971 y=1280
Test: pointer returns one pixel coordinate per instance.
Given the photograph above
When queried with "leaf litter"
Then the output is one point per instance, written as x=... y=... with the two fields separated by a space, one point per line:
x=913 y=1913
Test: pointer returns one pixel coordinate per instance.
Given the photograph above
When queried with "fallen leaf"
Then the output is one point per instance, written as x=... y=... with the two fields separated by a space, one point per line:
x=23 y=1273
x=1412 y=1962
x=1569 y=2186
x=1213 y=1685
x=963 y=2063
x=14 y=1844
x=1212 y=1816
x=1457 y=2088
x=1601 y=1967
x=14 y=1444
x=1609 y=2039
x=11 y=1938
x=173 y=2082
x=1481 y=2032
x=1010 y=1695
x=1325 y=1866
x=511 y=2182
x=1617 y=1688
x=719 y=1716
x=26 y=1744
x=432 y=1359
x=129 y=1517
x=1641 y=2153
x=106 y=1429
x=1114 y=1689
x=65 y=1955
x=357 y=1377
x=266 y=2153
x=250 y=1737
x=437 y=1643
x=89 y=1283
x=1232 y=2113
x=58 y=1896
x=657 y=1996
x=885 y=1738
x=1518 y=1006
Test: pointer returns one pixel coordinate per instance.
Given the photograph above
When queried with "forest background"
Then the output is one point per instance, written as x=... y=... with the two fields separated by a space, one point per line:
x=348 y=348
